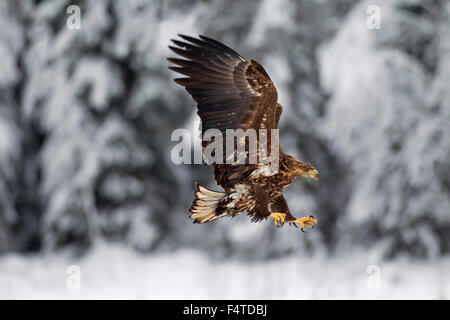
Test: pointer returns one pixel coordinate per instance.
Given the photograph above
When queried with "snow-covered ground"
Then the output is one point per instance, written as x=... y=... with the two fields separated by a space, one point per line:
x=115 y=272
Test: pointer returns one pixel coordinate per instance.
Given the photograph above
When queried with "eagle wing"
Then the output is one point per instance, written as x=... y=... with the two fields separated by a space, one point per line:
x=231 y=93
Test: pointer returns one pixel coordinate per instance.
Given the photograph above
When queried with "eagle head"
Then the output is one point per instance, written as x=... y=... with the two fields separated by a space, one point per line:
x=302 y=170
x=313 y=173
x=308 y=171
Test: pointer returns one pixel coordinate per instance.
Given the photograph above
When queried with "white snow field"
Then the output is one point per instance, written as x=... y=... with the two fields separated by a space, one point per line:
x=115 y=272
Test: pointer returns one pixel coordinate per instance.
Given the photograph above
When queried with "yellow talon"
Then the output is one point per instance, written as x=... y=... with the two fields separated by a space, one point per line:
x=306 y=221
x=278 y=217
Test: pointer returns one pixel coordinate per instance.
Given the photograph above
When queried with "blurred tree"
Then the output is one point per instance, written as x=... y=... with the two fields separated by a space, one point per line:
x=96 y=96
x=388 y=119
x=11 y=137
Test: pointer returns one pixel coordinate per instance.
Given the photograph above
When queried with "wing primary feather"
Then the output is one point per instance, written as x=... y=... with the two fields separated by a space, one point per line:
x=200 y=64
x=205 y=52
x=221 y=46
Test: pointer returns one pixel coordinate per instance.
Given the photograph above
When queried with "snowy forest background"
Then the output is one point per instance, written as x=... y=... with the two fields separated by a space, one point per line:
x=86 y=176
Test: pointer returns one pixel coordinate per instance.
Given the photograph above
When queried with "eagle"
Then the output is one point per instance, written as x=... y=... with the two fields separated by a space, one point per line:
x=234 y=93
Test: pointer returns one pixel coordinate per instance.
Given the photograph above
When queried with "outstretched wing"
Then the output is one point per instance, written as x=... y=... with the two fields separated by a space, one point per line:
x=230 y=92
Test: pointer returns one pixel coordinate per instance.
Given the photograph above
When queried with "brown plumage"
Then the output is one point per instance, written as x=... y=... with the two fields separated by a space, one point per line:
x=233 y=93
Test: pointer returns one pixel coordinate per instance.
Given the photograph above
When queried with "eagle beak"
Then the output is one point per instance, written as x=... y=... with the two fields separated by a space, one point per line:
x=314 y=174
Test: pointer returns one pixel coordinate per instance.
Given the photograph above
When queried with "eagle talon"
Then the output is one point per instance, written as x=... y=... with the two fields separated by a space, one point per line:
x=279 y=218
x=304 y=222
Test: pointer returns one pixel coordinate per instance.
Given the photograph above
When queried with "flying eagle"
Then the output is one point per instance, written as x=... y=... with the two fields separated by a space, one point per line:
x=233 y=93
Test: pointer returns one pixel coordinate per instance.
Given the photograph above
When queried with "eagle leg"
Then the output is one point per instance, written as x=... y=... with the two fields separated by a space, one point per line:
x=279 y=218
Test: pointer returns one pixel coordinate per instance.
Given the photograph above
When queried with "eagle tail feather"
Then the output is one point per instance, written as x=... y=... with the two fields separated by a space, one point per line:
x=207 y=204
